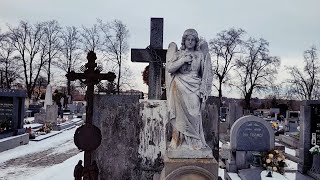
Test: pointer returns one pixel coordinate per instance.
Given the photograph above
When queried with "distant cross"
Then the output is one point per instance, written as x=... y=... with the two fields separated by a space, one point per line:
x=155 y=55
x=88 y=136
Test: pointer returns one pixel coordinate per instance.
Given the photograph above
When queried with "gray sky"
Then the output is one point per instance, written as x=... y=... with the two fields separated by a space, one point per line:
x=290 y=26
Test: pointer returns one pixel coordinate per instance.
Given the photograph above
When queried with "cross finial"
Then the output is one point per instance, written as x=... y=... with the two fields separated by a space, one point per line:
x=91 y=56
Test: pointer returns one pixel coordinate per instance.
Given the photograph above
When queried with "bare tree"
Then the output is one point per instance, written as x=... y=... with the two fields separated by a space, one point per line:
x=115 y=46
x=304 y=84
x=224 y=49
x=70 y=51
x=256 y=70
x=91 y=40
x=26 y=40
x=9 y=71
x=51 y=41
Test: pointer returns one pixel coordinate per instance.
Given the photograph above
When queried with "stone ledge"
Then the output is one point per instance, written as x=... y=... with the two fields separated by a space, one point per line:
x=13 y=141
x=184 y=153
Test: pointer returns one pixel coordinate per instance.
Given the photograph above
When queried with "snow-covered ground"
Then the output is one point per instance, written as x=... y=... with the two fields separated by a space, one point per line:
x=41 y=158
x=63 y=171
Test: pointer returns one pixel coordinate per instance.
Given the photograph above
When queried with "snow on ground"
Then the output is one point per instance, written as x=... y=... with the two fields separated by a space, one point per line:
x=290 y=151
x=63 y=171
x=34 y=147
x=42 y=157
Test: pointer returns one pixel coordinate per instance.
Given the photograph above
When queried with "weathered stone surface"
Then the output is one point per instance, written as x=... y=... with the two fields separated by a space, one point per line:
x=186 y=153
x=235 y=112
x=119 y=121
x=251 y=133
x=152 y=136
x=51 y=113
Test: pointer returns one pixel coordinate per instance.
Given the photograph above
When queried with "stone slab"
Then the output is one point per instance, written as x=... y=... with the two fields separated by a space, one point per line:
x=231 y=176
x=186 y=153
x=13 y=141
x=63 y=126
x=179 y=169
x=250 y=174
x=77 y=121
x=288 y=140
x=42 y=137
x=33 y=125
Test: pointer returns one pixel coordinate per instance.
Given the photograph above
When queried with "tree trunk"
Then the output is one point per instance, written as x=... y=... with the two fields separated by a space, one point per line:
x=118 y=82
x=49 y=67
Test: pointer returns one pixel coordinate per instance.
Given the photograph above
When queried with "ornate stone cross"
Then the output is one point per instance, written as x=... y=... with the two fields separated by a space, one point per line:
x=88 y=137
x=155 y=55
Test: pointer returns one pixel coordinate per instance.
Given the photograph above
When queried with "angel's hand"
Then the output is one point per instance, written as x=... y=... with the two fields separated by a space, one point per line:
x=187 y=59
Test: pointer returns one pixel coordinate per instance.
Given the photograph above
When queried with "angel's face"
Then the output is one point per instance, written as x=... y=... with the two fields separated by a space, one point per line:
x=190 y=42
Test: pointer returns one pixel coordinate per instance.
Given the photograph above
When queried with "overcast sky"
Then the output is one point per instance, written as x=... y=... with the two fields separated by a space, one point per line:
x=290 y=26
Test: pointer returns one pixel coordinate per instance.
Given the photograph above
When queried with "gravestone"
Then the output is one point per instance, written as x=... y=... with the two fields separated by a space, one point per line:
x=155 y=55
x=11 y=111
x=235 y=112
x=248 y=134
x=309 y=134
x=119 y=120
x=88 y=137
x=49 y=115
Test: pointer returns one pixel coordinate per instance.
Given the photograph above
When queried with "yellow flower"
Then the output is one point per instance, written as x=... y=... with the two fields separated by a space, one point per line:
x=279 y=159
x=270 y=155
x=274 y=168
x=268 y=161
x=276 y=151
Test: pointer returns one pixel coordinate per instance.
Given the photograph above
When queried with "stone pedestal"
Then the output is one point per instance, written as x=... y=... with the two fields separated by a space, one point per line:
x=204 y=168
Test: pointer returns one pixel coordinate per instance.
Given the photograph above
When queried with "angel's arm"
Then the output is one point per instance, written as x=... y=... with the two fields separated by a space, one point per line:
x=177 y=61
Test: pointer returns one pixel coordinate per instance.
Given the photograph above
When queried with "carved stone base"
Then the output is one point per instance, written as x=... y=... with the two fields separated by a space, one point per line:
x=193 y=169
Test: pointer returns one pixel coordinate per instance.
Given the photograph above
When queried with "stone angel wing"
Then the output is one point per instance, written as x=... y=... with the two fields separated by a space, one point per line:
x=206 y=71
x=170 y=57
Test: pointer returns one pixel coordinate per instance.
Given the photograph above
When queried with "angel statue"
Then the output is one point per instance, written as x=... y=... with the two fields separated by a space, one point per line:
x=188 y=82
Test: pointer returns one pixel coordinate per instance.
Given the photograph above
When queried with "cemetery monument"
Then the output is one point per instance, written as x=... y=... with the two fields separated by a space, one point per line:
x=188 y=82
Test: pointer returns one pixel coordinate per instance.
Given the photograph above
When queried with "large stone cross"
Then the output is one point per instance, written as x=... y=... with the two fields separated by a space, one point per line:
x=88 y=137
x=155 y=55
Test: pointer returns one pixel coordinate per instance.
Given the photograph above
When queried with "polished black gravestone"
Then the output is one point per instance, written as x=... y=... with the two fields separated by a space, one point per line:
x=11 y=111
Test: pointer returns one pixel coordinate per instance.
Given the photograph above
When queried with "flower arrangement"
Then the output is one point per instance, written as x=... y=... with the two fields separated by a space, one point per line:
x=315 y=150
x=274 y=159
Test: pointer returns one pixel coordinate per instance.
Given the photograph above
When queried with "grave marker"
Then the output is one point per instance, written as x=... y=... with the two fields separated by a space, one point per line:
x=248 y=134
x=88 y=136
x=11 y=110
x=309 y=133
x=155 y=55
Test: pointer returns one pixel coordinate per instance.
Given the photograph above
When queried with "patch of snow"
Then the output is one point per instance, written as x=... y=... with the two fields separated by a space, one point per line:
x=290 y=151
x=221 y=173
x=34 y=147
x=59 y=171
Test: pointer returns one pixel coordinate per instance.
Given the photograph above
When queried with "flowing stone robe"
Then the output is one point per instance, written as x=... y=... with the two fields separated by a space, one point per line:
x=187 y=90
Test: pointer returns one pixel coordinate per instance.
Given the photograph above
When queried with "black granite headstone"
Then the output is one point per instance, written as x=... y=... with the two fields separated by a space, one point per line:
x=11 y=110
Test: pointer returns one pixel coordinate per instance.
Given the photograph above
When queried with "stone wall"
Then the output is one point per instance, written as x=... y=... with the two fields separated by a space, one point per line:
x=119 y=121
x=134 y=135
